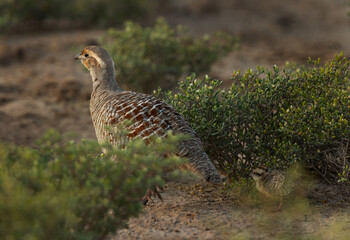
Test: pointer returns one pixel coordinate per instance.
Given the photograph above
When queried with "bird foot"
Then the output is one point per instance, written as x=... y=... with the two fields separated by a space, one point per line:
x=152 y=192
x=277 y=210
x=279 y=206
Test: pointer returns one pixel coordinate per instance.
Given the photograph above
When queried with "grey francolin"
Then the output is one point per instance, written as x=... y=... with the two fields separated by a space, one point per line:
x=273 y=184
x=110 y=105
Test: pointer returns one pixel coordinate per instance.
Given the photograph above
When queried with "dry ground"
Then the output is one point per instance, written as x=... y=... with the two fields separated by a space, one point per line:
x=192 y=209
x=42 y=87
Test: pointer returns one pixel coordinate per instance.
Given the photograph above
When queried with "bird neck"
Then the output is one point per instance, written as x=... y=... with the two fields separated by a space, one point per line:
x=264 y=177
x=104 y=80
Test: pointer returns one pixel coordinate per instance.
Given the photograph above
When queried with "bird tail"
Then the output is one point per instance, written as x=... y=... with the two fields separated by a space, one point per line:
x=200 y=162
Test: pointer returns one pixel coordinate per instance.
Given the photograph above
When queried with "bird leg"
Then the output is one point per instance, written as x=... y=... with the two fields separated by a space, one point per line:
x=280 y=205
x=152 y=192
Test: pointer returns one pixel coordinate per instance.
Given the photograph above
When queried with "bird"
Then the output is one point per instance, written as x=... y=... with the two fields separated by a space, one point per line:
x=273 y=184
x=110 y=105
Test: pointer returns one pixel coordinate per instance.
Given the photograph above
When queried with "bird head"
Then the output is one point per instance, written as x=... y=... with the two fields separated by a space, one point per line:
x=98 y=62
x=259 y=173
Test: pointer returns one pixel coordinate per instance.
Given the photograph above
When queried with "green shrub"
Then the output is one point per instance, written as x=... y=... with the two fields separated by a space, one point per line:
x=149 y=57
x=274 y=118
x=64 y=190
x=102 y=12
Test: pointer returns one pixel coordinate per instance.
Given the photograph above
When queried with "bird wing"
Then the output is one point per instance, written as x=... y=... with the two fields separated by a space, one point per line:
x=276 y=181
x=148 y=116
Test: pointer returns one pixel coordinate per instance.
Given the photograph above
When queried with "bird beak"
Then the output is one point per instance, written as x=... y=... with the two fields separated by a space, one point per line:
x=78 y=56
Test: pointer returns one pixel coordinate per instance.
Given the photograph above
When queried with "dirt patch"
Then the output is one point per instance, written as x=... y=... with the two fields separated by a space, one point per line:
x=271 y=32
x=193 y=209
x=43 y=87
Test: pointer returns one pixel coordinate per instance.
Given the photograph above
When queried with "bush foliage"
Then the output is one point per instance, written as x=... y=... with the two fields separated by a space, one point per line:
x=103 y=12
x=149 y=57
x=273 y=117
x=67 y=191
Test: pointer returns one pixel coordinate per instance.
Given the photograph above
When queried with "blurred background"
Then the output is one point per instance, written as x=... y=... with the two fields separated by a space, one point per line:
x=41 y=86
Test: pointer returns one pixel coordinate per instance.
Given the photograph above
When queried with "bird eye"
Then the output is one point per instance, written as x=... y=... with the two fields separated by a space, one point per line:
x=86 y=55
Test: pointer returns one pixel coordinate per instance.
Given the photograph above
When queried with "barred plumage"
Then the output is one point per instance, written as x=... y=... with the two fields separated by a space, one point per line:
x=110 y=105
x=273 y=183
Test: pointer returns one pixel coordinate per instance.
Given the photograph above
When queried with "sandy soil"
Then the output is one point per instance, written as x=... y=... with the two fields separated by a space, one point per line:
x=193 y=209
x=42 y=87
